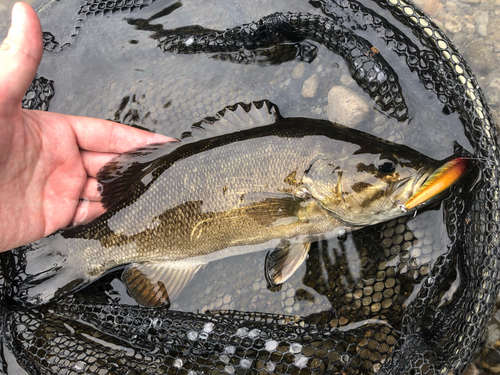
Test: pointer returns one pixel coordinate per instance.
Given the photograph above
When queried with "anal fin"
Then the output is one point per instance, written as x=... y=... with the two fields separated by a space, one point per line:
x=157 y=284
x=283 y=261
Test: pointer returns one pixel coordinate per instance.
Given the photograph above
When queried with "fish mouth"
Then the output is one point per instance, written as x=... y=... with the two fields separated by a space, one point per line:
x=395 y=197
x=407 y=187
x=353 y=214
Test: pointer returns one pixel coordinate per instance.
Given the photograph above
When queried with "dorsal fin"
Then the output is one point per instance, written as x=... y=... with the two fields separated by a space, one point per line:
x=233 y=118
x=133 y=170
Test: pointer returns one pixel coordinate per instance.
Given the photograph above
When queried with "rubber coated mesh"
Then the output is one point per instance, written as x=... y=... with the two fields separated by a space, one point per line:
x=93 y=8
x=39 y=94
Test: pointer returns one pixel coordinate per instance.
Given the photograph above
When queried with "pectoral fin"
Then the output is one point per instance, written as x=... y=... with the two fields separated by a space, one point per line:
x=273 y=210
x=156 y=284
x=283 y=261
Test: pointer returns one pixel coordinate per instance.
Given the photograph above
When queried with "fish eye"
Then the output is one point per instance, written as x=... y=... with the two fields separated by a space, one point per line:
x=386 y=164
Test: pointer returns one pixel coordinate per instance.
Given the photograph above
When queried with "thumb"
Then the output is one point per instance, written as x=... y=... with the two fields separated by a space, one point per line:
x=20 y=55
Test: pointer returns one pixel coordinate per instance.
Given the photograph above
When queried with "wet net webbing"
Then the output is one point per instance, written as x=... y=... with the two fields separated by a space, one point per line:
x=87 y=333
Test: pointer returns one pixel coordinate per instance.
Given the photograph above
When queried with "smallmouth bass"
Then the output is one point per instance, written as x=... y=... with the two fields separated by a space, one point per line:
x=243 y=181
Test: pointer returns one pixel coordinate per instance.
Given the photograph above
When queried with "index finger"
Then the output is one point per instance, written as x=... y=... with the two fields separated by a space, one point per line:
x=108 y=136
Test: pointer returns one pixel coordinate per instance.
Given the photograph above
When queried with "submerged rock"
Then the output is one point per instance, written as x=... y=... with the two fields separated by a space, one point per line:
x=310 y=86
x=298 y=71
x=482 y=23
x=346 y=107
x=480 y=56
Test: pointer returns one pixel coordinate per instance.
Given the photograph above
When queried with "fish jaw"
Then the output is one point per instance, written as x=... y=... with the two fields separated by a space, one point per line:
x=356 y=211
x=407 y=188
x=400 y=193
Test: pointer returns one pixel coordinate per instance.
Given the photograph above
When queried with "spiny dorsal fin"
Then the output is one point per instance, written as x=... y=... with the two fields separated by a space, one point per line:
x=283 y=261
x=157 y=284
x=134 y=169
x=233 y=118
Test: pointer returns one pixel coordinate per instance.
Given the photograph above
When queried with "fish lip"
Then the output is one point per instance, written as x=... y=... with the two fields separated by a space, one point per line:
x=417 y=180
x=420 y=179
x=363 y=220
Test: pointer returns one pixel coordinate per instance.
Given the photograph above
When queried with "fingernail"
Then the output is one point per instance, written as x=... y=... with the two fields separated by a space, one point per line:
x=17 y=14
x=159 y=138
x=82 y=211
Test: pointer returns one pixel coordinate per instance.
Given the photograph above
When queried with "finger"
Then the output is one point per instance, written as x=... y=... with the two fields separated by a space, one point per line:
x=107 y=136
x=20 y=55
x=94 y=161
x=86 y=211
x=91 y=190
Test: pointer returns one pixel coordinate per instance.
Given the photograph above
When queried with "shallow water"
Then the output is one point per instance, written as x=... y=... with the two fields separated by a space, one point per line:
x=178 y=90
x=141 y=85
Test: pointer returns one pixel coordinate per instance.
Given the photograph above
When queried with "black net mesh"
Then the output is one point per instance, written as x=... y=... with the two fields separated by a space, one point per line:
x=367 y=67
x=92 y=8
x=409 y=303
x=56 y=339
x=39 y=94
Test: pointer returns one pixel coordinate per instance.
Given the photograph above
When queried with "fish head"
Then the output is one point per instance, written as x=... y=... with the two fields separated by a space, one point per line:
x=367 y=188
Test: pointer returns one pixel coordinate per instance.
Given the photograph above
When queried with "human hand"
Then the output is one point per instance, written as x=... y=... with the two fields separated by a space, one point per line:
x=48 y=161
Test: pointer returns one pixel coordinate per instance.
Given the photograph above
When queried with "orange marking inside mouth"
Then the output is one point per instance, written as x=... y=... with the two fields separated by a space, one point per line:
x=440 y=180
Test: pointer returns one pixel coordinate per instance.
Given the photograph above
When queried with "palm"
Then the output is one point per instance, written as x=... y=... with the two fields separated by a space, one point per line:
x=41 y=187
x=48 y=161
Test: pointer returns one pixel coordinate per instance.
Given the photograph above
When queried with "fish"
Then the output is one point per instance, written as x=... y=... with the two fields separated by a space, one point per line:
x=245 y=180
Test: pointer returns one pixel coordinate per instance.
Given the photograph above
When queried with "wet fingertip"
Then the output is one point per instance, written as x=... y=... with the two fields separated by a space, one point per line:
x=16 y=19
x=17 y=14
x=82 y=211
x=100 y=189
x=159 y=138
